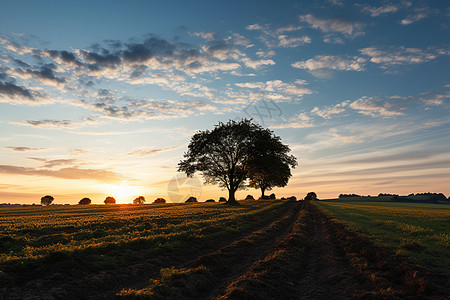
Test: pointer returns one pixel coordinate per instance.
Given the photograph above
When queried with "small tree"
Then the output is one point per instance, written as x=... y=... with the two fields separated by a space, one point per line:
x=227 y=154
x=110 y=200
x=271 y=165
x=311 y=196
x=159 y=201
x=47 y=200
x=139 y=200
x=85 y=201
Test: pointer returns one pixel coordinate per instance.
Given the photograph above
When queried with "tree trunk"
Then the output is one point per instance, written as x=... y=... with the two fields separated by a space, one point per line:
x=231 y=198
x=262 y=192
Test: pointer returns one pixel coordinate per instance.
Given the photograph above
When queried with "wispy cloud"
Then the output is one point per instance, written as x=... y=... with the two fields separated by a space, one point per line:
x=338 y=25
x=52 y=124
x=399 y=55
x=321 y=64
x=65 y=173
x=380 y=10
x=373 y=107
x=25 y=149
x=149 y=152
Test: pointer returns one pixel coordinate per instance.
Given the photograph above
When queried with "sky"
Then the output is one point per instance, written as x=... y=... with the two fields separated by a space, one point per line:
x=100 y=98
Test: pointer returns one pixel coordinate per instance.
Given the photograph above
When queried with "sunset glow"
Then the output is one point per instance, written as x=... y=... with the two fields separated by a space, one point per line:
x=101 y=99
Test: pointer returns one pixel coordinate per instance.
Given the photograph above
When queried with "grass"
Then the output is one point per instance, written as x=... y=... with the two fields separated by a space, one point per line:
x=419 y=231
x=97 y=237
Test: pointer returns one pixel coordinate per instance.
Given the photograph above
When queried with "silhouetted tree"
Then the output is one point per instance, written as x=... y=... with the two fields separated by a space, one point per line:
x=271 y=165
x=191 y=200
x=110 y=200
x=85 y=201
x=311 y=196
x=159 y=201
x=47 y=200
x=226 y=154
x=139 y=200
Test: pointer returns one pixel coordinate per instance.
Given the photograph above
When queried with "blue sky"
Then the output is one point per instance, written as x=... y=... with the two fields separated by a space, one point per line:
x=100 y=98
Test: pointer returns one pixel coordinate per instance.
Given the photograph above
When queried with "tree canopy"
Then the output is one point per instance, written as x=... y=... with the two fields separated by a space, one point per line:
x=47 y=200
x=85 y=201
x=311 y=196
x=139 y=200
x=110 y=200
x=271 y=165
x=231 y=152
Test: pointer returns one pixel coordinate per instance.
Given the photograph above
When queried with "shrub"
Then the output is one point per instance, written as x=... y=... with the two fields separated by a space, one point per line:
x=139 y=200
x=85 y=201
x=292 y=198
x=249 y=197
x=311 y=196
x=191 y=200
x=222 y=199
x=272 y=196
x=47 y=200
x=110 y=200
x=159 y=201
x=210 y=200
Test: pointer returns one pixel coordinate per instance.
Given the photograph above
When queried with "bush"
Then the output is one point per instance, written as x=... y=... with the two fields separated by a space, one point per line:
x=311 y=196
x=110 y=200
x=85 y=201
x=191 y=200
x=139 y=200
x=249 y=197
x=159 y=201
x=292 y=198
x=272 y=196
x=222 y=199
x=210 y=200
x=264 y=197
x=47 y=200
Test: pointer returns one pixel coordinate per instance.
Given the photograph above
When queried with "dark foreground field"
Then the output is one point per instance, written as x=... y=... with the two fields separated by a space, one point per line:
x=259 y=250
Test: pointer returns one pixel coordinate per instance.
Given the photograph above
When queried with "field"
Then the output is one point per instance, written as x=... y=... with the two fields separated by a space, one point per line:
x=258 y=250
x=419 y=231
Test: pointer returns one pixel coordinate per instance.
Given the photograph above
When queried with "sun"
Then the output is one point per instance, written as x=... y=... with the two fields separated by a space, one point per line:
x=123 y=193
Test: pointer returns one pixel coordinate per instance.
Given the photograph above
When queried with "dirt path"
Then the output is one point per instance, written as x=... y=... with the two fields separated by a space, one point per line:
x=334 y=264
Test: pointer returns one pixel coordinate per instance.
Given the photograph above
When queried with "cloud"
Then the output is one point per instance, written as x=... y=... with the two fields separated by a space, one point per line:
x=51 y=124
x=146 y=109
x=434 y=99
x=327 y=111
x=417 y=15
x=381 y=10
x=14 y=92
x=372 y=107
x=327 y=62
x=255 y=64
x=45 y=74
x=289 y=42
x=280 y=37
x=50 y=163
x=273 y=89
x=302 y=120
x=65 y=173
x=25 y=149
x=148 y=152
x=339 y=25
x=398 y=55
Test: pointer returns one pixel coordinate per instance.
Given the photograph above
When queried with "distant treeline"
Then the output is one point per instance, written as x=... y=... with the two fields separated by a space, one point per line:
x=349 y=195
x=419 y=197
